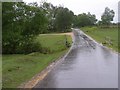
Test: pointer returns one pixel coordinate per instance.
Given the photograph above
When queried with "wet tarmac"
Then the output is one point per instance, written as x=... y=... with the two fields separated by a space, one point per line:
x=88 y=65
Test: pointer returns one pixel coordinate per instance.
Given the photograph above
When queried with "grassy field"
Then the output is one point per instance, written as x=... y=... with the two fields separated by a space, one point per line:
x=106 y=36
x=19 y=68
x=57 y=45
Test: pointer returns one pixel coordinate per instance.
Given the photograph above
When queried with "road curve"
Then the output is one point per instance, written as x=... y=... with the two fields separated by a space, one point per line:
x=88 y=65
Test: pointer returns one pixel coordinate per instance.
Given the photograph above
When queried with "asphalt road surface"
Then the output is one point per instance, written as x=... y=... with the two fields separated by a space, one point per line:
x=88 y=65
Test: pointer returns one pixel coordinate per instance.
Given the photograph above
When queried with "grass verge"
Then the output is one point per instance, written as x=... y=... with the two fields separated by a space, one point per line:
x=107 y=36
x=18 y=68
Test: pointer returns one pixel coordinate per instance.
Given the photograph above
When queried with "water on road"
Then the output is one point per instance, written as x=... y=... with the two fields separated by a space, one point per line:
x=88 y=65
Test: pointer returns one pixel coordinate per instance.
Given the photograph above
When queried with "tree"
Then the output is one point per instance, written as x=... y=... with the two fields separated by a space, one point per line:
x=21 y=23
x=84 y=20
x=50 y=11
x=92 y=18
x=63 y=19
x=59 y=18
x=107 y=16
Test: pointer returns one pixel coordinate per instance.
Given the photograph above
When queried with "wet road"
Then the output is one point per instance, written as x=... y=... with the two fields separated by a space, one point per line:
x=88 y=65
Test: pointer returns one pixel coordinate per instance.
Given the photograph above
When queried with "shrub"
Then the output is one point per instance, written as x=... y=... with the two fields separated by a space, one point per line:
x=31 y=47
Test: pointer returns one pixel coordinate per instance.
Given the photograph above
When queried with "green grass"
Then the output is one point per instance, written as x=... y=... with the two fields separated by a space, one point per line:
x=54 y=42
x=18 y=68
x=104 y=36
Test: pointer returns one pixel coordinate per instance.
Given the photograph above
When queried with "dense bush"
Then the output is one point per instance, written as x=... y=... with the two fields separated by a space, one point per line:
x=21 y=23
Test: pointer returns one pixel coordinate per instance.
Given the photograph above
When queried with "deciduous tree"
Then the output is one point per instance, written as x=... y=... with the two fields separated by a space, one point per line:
x=107 y=16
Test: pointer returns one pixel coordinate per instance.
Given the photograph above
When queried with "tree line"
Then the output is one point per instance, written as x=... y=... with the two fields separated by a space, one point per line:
x=22 y=23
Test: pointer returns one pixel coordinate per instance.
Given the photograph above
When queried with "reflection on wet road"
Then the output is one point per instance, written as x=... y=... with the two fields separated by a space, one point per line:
x=88 y=65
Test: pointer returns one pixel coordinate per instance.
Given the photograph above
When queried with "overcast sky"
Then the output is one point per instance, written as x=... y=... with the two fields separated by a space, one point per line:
x=79 y=6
